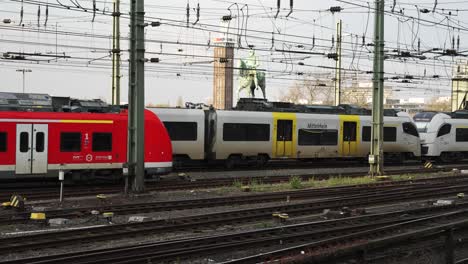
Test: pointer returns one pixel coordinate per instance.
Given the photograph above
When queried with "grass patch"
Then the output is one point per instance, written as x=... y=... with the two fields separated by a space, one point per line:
x=237 y=184
x=295 y=182
x=264 y=225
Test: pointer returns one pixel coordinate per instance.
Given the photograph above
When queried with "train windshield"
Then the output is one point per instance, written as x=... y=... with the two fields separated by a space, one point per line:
x=422 y=120
x=422 y=126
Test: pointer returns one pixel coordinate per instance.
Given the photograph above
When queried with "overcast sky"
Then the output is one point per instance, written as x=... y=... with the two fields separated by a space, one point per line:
x=82 y=46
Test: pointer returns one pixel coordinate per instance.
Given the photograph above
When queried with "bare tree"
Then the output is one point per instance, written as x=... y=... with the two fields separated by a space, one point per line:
x=438 y=105
x=355 y=96
x=309 y=92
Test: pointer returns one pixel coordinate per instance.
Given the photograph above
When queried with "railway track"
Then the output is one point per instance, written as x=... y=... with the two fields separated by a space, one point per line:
x=359 y=244
x=14 y=217
x=71 y=237
x=44 y=193
x=184 y=249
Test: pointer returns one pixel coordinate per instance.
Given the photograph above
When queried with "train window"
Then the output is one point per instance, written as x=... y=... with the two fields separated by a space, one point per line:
x=461 y=134
x=366 y=133
x=349 y=131
x=102 y=142
x=24 y=142
x=284 y=130
x=444 y=130
x=246 y=132
x=182 y=131
x=409 y=128
x=317 y=137
x=40 y=141
x=3 y=141
x=70 y=142
x=389 y=134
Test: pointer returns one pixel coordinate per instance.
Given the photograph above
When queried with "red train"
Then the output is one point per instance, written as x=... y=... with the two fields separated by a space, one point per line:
x=84 y=145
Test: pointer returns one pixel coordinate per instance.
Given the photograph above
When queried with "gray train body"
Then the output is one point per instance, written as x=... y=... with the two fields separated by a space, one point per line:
x=235 y=137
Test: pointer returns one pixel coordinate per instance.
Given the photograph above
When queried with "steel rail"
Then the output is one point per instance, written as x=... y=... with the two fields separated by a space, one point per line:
x=60 y=238
x=14 y=217
x=171 y=185
x=332 y=249
x=183 y=249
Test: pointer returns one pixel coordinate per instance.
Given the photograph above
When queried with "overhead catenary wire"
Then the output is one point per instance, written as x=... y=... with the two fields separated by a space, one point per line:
x=262 y=39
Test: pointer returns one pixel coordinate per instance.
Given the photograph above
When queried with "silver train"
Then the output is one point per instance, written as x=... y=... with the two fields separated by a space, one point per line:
x=239 y=137
x=444 y=136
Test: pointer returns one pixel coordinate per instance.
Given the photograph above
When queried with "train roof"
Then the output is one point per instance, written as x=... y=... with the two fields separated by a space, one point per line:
x=427 y=116
x=263 y=105
x=44 y=116
x=36 y=102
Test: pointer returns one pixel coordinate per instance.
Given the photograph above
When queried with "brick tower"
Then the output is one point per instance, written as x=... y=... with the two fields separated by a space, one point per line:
x=223 y=76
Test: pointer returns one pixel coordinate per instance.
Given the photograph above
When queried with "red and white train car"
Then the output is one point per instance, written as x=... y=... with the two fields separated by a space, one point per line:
x=39 y=144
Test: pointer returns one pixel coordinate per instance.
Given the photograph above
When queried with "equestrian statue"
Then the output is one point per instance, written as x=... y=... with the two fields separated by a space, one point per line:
x=249 y=77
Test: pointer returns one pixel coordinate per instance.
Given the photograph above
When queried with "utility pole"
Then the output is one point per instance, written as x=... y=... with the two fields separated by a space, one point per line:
x=24 y=71
x=376 y=151
x=338 y=64
x=136 y=97
x=116 y=54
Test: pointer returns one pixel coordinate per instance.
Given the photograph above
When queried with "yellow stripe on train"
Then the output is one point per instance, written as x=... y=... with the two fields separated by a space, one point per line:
x=87 y=121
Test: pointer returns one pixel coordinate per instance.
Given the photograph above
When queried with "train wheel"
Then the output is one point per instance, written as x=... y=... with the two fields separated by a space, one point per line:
x=261 y=161
x=446 y=157
x=401 y=158
x=232 y=162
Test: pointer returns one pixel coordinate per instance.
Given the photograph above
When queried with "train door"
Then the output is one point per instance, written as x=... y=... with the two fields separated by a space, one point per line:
x=349 y=138
x=284 y=138
x=31 y=149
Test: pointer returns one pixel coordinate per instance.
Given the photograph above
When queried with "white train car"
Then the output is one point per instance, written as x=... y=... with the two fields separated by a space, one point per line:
x=348 y=136
x=443 y=137
x=242 y=135
x=186 y=128
x=239 y=137
x=260 y=136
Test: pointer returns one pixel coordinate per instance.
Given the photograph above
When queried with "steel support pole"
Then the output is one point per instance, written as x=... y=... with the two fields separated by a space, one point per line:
x=24 y=71
x=136 y=94
x=376 y=151
x=338 y=63
x=116 y=54
x=24 y=84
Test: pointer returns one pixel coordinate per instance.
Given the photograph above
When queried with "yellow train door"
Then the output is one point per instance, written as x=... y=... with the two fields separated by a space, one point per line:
x=349 y=135
x=283 y=135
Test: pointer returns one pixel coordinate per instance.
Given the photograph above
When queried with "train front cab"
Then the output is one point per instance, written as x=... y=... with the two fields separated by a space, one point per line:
x=158 y=147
